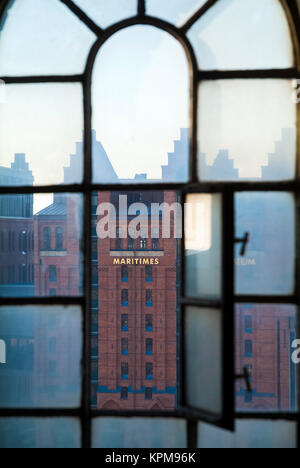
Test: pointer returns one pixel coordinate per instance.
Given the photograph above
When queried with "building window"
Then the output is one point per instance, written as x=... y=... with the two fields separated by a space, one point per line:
x=149 y=371
x=124 y=274
x=149 y=274
x=52 y=346
x=124 y=321
x=148 y=394
x=248 y=349
x=23 y=242
x=124 y=346
x=124 y=298
x=52 y=292
x=124 y=370
x=149 y=323
x=130 y=243
x=47 y=238
x=248 y=324
x=149 y=346
x=59 y=238
x=155 y=244
x=52 y=369
x=143 y=244
x=124 y=393
x=149 y=298
x=52 y=274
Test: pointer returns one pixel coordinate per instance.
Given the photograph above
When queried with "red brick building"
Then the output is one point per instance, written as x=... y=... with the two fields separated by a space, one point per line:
x=57 y=234
x=264 y=336
x=137 y=317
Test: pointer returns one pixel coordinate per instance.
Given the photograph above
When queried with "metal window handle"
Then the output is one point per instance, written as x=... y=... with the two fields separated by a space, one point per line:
x=247 y=377
x=244 y=241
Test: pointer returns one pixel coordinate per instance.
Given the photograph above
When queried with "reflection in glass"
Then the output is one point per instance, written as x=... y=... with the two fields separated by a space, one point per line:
x=247 y=130
x=40 y=245
x=139 y=109
x=105 y=13
x=39 y=127
x=139 y=433
x=250 y=434
x=272 y=371
x=268 y=266
x=203 y=359
x=243 y=34
x=175 y=11
x=43 y=355
x=41 y=433
x=203 y=246
x=31 y=45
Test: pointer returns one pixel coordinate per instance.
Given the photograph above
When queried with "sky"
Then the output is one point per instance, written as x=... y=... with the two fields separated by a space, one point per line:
x=140 y=84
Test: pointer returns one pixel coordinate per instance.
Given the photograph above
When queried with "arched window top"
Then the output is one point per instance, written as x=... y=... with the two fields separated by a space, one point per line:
x=42 y=37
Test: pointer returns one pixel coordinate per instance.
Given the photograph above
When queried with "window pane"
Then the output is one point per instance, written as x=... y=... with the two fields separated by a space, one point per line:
x=143 y=105
x=243 y=34
x=39 y=433
x=247 y=130
x=176 y=11
x=138 y=433
x=105 y=13
x=203 y=250
x=203 y=358
x=40 y=245
x=33 y=375
x=268 y=266
x=39 y=127
x=272 y=371
x=42 y=37
x=137 y=319
x=250 y=434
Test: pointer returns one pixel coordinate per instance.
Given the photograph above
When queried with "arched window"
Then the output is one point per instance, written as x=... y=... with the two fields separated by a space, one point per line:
x=221 y=79
x=47 y=238
x=59 y=238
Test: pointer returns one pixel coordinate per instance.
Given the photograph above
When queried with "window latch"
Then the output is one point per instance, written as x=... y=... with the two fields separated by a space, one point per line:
x=245 y=376
x=244 y=241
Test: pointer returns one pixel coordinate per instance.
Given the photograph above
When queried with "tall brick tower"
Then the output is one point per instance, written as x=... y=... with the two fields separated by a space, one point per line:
x=137 y=341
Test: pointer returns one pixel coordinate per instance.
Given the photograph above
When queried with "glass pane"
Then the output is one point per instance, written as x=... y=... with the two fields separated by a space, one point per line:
x=269 y=264
x=176 y=11
x=40 y=126
x=139 y=433
x=203 y=246
x=40 y=245
x=42 y=355
x=250 y=434
x=203 y=358
x=264 y=344
x=42 y=37
x=105 y=13
x=247 y=130
x=29 y=433
x=243 y=34
x=139 y=110
x=135 y=302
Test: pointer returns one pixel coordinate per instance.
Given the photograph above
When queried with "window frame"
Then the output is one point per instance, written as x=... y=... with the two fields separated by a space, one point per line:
x=85 y=412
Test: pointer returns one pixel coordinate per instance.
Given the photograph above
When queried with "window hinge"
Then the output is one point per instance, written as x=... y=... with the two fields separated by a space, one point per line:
x=244 y=241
